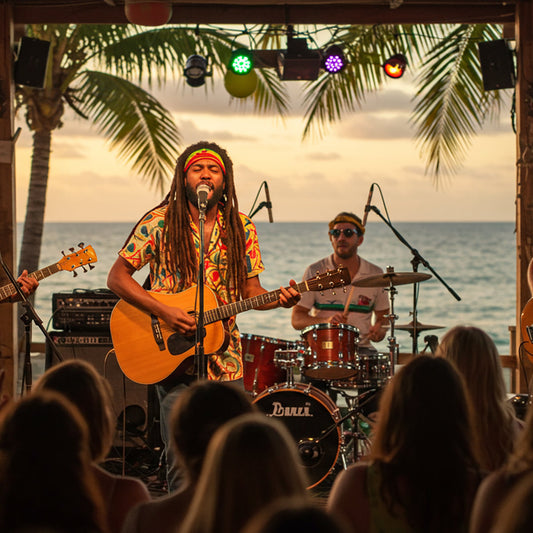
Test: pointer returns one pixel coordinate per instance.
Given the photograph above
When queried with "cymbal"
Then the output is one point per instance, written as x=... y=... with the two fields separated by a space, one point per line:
x=419 y=327
x=391 y=278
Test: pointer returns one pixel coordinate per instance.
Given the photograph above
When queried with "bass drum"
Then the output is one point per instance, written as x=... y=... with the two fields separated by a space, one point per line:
x=311 y=418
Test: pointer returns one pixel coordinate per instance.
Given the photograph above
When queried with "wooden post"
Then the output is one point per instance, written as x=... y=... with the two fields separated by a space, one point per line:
x=8 y=341
x=524 y=165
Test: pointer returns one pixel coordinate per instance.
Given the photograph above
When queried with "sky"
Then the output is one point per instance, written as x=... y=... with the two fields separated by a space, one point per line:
x=308 y=180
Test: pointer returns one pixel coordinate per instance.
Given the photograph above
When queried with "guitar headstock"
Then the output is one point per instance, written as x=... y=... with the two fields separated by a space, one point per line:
x=329 y=279
x=78 y=258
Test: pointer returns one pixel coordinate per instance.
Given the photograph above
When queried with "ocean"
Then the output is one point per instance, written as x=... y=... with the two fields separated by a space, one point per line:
x=474 y=260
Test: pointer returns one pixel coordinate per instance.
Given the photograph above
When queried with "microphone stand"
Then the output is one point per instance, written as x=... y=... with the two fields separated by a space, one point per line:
x=200 y=358
x=417 y=260
x=267 y=203
x=27 y=317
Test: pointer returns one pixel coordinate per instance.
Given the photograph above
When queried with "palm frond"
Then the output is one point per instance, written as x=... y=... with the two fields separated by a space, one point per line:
x=451 y=104
x=133 y=121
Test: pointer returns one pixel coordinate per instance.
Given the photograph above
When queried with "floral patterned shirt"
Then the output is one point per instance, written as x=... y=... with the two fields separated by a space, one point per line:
x=144 y=247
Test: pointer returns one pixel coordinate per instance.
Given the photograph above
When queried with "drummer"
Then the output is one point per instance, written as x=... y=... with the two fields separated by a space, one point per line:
x=362 y=307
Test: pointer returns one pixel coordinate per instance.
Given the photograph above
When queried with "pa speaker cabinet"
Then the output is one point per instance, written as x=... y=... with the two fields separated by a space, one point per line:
x=31 y=63
x=136 y=400
x=497 y=66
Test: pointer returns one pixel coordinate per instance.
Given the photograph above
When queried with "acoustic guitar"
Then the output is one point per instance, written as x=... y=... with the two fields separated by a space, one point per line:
x=148 y=350
x=70 y=262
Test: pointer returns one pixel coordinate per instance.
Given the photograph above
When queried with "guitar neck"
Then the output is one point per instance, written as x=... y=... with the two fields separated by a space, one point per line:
x=9 y=290
x=225 y=311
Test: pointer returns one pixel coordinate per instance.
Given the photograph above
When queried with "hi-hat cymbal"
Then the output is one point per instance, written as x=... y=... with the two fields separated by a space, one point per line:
x=419 y=327
x=391 y=278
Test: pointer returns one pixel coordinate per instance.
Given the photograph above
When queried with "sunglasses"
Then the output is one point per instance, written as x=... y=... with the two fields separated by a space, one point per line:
x=347 y=232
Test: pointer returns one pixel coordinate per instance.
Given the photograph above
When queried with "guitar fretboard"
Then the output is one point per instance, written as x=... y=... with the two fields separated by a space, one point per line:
x=9 y=290
x=225 y=311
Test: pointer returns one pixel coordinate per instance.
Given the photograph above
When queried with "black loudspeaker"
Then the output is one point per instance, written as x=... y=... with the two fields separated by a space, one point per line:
x=497 y=66
x=31 y=63
x=138 y=401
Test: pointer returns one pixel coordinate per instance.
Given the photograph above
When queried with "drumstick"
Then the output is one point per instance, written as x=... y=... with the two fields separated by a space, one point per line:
x=348 y=300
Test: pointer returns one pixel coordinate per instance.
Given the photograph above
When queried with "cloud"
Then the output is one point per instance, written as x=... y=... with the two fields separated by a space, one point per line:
x=377 y=126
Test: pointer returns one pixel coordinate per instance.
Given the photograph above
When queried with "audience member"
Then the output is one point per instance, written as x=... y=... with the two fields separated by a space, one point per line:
x=516 y=514
x=198 y=413
x=294 y=515
x=495 y=425
x=422 y=472
x=251 y=461
x=91 y=393
x=497 y=485
x=46 y=480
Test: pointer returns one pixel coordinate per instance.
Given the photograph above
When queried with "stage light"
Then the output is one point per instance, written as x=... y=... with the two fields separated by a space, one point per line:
x=196 y=70
x=242 y=61
x=298 y=62
x=395 y=66
x=334 y=60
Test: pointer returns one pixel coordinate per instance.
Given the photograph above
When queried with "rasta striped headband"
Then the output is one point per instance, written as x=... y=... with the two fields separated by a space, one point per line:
x=204 y=153
x=351 y=219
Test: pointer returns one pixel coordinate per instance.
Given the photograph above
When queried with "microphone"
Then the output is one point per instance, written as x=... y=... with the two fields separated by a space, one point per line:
x=202 y=191
x=367 y=206
x=268 y=204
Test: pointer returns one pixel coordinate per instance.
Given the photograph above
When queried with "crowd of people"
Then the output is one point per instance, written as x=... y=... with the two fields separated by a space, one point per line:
x=447 y=452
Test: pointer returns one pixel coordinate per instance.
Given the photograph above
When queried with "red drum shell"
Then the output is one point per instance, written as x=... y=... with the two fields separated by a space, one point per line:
x=331 y=351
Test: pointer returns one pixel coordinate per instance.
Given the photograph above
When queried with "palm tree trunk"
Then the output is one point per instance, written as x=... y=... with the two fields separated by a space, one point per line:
x=34 y=222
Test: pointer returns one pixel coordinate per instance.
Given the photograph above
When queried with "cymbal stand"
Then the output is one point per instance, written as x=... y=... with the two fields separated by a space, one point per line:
x=358 y=442
x=393 y=345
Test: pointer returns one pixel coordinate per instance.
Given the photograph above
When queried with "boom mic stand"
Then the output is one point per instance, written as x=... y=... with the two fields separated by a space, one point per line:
x=27 y=317
x=417 y=260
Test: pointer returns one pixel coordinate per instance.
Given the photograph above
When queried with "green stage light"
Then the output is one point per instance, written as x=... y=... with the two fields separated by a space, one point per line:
x=242 y=61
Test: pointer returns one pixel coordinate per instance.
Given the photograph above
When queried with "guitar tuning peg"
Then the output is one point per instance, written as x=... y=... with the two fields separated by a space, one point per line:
x=71 y=249
x=63 y=252
x=81 y=244
x=91 y=267
x=75 y=273
x=84 y=269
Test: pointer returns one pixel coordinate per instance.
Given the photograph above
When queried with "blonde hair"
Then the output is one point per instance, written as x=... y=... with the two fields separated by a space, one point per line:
x=251 y=461
x=476 y=357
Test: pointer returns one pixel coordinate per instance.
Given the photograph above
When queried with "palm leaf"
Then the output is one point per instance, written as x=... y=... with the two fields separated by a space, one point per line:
x=133 y=121
x=451 y=104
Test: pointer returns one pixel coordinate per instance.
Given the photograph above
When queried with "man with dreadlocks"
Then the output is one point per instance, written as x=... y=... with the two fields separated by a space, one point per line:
x=167 y=238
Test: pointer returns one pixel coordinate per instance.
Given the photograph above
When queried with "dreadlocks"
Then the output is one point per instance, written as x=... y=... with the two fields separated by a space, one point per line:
x=178 y=245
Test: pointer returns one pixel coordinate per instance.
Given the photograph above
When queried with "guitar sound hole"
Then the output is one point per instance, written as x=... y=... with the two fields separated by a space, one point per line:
x=178 y=344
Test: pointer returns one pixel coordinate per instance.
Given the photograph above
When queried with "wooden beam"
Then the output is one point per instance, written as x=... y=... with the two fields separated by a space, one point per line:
x=8 y=343
x=524 y=166
x=308 y=13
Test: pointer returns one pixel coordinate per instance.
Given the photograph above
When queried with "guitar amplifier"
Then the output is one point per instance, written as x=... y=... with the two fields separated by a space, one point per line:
x=83 y=309
x=139 y=402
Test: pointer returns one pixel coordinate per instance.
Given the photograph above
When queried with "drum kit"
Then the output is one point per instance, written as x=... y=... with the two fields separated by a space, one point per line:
x=330 y=355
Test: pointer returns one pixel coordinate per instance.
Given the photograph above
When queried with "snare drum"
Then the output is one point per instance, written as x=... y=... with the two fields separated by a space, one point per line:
x=331 y=351
x=312 y=419
x=259 y=368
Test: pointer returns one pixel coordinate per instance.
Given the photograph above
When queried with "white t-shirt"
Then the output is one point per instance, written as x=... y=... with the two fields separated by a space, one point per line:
x=364 y=300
